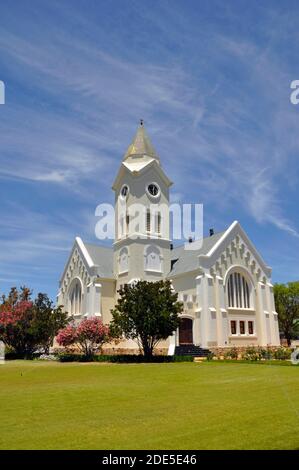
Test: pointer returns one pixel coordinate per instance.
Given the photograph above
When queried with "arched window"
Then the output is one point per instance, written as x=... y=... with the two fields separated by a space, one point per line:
x=75 y=298
x=123 y=260
x=153 y=261
x=238 y=295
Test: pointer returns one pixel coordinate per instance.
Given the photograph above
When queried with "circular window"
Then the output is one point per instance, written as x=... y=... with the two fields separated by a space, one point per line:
x=124 y=191
x=153 y=190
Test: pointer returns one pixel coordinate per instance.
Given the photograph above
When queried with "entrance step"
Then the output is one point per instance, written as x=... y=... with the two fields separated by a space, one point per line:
x=191 y=350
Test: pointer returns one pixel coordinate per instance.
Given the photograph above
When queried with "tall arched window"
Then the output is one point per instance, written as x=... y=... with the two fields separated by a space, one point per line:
x=238 y=295
x=75 y=298
x=153 y=260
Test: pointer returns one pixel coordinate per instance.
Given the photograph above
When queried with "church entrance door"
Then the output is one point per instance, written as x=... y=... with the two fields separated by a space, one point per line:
x=185 y=331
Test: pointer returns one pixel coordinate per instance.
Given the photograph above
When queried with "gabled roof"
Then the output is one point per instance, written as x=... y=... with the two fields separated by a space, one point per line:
x=141 y=145
x=102 y=257
x=137 y=168
x=187 y=260
x=234 y=230
x=98 y=259
x=211 y=249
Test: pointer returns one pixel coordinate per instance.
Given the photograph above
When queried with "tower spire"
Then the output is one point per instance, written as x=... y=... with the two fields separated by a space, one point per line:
x=141 y=145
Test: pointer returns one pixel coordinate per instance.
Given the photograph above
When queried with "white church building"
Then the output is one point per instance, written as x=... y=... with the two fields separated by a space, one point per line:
x=225 y=285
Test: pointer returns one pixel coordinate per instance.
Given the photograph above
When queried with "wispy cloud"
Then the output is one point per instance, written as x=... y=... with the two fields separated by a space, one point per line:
x=214 y=97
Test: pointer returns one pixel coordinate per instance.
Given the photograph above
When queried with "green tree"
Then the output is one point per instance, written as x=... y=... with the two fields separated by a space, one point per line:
x=146 y=312
x=47 y=321
x=287 y=306
x=28 y=326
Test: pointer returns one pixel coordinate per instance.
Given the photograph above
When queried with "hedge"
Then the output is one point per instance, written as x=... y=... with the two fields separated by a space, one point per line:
x=252 y=353
x=121 y=358
x=11 y=355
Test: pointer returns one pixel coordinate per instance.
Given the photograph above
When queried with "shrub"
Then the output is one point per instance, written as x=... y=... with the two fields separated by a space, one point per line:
x=257 y=354
x=121 y=358
x=252 y=354
x=282 y=353
x=73 y=357
x=12 y=355
x=231 y=353
x=210 y=356
x=47 y=357
x=89 y=336
x=266 y=353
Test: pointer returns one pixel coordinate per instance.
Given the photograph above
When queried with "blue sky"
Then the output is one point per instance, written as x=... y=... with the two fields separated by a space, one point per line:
x=212 y=82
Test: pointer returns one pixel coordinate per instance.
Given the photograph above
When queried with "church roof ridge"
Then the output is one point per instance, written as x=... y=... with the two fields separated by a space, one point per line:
x=210 y=237
x=98 y=246
x=187 y=259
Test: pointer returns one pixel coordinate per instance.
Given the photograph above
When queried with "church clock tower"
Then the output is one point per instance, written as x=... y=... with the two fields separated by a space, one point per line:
x=142 y=243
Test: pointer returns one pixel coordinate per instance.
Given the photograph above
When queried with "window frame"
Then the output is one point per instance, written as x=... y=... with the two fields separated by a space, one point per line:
x=238 y=292
x=250 y=328
x=75 y=297
x=233 y=322
x=242 y=327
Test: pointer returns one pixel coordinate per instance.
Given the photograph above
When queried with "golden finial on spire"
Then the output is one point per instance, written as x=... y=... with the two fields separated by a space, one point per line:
x=141 y=122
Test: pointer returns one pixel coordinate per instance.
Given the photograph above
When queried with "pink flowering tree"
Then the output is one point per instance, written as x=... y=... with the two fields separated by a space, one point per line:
x=15 y=324
x=29 y=326
x=67 y=336
x=89 y=335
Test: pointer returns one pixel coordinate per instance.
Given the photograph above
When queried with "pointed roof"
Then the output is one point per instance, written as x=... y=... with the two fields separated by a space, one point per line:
x=184 y=261
x=141 y=145
x=139 y=157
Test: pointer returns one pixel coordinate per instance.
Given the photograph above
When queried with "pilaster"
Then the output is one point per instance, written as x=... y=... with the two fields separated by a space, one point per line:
x=204 y=297
x=95 y=294
x=260 y=315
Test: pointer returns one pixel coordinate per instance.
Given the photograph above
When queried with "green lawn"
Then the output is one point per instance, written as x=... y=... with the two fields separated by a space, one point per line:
x=148 y=406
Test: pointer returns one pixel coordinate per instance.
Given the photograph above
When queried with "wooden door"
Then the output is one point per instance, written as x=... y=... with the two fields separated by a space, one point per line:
x=185 y=331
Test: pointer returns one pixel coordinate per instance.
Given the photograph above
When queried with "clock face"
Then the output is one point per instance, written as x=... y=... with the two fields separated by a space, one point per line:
x=153 y=189
x=124 y=191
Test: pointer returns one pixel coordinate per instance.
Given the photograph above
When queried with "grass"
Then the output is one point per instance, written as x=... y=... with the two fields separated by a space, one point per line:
x=148 y=406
